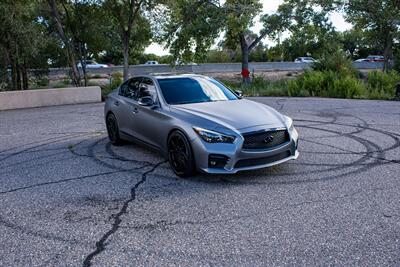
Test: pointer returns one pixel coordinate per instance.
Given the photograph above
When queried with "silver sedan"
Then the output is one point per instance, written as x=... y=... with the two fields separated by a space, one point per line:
x=199 y=124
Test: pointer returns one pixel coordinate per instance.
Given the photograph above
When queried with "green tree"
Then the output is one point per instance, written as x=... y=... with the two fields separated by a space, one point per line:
x=311 y=31
x=191 y=28
x=84 y=21
x=22 y=40
x=67 y=42
x=352 y=41
x=127 y=15
x=82 y=28
x=194 y=26
x=217 y=56
x=379 y=21
x=140 y=38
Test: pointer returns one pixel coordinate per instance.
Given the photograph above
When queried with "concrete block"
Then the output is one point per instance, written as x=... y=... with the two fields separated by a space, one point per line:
x=49 y=97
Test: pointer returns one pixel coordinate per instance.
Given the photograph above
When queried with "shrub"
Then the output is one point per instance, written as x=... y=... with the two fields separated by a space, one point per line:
x=115 y=81
x=326 y=84
x=336 y=62
x=66 y=81
x=348 y=87
x=3 y=86
x=382 y=85
x=260 y=87
x=43 y=82
x=295 y=89
x=59 y=85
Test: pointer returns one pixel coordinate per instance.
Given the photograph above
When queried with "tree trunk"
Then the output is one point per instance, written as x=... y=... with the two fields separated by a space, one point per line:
x=18 y=69
x=125 y=42
x=69 y=47
x=245 y=60
x=14 y=71
x=76 y=79
x=245 y=66
x=25 y=81
x=82 y=51
x=387 y=53
x=83 y=65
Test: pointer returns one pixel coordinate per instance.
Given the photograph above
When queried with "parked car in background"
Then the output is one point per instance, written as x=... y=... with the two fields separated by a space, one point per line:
x=199 y=124
x=151 y=62
x=91 y=64
x=376 y=58
x=304 y=60
x=362 y=60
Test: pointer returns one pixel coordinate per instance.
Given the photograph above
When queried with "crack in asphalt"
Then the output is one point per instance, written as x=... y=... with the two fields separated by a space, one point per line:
x=69 y=179
x=162 y=224
x=101 y=243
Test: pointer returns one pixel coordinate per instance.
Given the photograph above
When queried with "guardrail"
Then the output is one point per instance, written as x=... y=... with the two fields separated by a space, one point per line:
x=49 y=97
x=211 y=68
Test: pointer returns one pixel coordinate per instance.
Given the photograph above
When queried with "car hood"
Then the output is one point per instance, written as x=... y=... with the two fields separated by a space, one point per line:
x=236 y=114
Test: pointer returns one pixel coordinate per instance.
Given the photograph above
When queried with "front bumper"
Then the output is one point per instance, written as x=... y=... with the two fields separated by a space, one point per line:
x=240 y=159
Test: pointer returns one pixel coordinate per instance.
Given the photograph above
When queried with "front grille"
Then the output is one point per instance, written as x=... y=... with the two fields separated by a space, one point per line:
x=267 y=139
x=262 y=161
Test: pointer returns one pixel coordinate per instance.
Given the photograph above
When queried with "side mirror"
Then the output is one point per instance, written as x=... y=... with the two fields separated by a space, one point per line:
x=146 y=101
x=239 y=93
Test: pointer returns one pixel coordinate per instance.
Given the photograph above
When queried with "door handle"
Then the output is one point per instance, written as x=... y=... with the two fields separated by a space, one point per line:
x=116 y=103
x=135 y=111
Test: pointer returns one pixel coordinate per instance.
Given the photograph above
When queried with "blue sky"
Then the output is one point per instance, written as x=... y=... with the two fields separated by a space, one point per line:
x=269 y=6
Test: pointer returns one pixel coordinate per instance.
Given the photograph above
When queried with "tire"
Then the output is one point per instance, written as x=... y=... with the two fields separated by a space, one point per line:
x=180 y=155
x=112 y=130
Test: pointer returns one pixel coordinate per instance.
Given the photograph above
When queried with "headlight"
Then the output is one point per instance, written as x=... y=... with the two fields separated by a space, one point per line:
x=289 y=123
x=213 y=137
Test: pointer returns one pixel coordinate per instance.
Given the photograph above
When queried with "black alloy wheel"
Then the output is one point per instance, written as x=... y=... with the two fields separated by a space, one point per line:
x=180 y=155
x=112 y=130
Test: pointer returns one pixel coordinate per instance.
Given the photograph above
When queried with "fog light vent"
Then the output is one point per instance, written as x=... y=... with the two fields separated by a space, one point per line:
x=217 y=161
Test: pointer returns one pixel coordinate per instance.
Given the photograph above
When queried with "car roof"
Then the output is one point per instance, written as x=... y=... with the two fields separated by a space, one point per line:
x=160 y=76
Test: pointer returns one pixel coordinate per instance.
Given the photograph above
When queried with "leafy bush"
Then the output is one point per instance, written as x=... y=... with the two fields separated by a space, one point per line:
x=348 y=87
x=66 y=81
x=261 y=87
x=326 y=84
x=43 y=82
x=3 y=86
x=336 y=62
x=61 y=84
x=115 y=81
x=381 y=85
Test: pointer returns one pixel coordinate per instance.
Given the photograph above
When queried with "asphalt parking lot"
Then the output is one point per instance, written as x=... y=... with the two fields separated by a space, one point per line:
x=69 y=198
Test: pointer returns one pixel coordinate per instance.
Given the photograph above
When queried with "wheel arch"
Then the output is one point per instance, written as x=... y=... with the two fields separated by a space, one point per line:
x=187 y=138
x=183 y=132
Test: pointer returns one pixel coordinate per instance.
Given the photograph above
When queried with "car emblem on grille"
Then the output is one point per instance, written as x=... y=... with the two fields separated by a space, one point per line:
x=268 y=139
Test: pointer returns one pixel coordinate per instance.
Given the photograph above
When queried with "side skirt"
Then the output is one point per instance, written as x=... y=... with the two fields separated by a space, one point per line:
x=140 y=142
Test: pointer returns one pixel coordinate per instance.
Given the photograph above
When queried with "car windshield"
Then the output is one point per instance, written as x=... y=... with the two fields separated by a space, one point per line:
x=194 y=90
